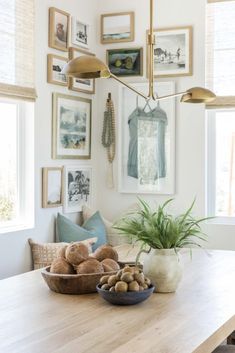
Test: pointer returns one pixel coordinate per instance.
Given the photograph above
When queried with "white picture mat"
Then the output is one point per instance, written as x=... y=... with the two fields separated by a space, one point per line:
x=75 y=24
x=116 y=24
x=54 y=187
x=127 y=105
x=83 y=84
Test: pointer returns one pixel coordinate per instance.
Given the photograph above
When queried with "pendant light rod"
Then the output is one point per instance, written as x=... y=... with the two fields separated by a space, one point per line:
x=151 y=43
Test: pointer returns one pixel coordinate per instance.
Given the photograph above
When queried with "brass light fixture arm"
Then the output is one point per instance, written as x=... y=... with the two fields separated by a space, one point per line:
x=129 y=86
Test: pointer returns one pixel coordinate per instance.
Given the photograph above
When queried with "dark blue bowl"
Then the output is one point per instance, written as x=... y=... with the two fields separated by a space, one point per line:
x=125 y=298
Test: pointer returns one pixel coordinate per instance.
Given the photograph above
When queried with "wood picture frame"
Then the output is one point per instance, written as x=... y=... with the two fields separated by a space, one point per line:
x=123 y=30
x=71 y=127
x=54 y=68
x=125 y=62
x=79 y=84
x=173 y=52
x=77 y=188
x=59 y=29
x=52 y=187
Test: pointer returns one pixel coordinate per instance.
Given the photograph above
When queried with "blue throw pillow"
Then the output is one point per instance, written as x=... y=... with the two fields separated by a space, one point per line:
x=93 y=227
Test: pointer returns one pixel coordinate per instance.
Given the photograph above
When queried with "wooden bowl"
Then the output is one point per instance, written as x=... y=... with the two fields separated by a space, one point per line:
x=73 y=284
x=125 y=298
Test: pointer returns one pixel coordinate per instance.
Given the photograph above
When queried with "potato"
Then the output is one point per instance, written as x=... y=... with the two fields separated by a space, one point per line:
x=127 y=277
x=127 y=269
x=106 y=252
x=112 y=280
x=112 y=289
x=147 y=281
x=110 y=265
x=61 y=266
x=76 y=253
x=145 y=286
x=104 y=279
x=139 y=277
x=119 y=274
x=121 y=286
x=61 y=252
x=105 y=287
x=133 y=286
x=141 y=288
x=90 y=266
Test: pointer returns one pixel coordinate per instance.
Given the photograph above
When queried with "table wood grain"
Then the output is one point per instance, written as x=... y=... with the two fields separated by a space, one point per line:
x=195 y=319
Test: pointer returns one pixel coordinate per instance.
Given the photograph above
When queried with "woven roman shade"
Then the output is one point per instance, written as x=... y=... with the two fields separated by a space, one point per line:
x=17 y=64
x=220 y=52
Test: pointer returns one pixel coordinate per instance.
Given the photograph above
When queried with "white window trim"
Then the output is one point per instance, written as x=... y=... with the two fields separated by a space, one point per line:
x=25 y=125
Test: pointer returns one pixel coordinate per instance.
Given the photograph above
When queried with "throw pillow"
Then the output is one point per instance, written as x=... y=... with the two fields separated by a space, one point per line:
x=114 y=237
x=44 y=254
x=93 y=227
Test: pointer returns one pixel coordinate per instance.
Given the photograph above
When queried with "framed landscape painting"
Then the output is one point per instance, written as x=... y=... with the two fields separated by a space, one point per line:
x=80 y=33
x=55 y=65
x=79 y=84
x=52 y=187
x=71 y=130
x=147 y=141
x=59 y=22
x=125 y=62
x=118 y=27
x=173 y=52
x=78 y=182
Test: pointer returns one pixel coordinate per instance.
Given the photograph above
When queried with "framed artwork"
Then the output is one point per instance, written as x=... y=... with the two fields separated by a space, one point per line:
x=125 y=62
x=173 y=52
x=71 y=128
x=80 y=33
x=118 y=27
x=59 y=22
x=55 y=65
x=52 y=187
x=147 y=141
x=78 y=182
x=79 y=84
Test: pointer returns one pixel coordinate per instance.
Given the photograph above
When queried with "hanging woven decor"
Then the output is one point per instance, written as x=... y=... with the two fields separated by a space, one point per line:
x=109 y=138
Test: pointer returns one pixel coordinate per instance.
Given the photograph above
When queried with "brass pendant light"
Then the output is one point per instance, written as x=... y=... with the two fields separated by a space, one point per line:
x=89 y=67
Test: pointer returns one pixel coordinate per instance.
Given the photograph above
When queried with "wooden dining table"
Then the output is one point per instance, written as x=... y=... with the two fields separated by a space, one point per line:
x=195 y=319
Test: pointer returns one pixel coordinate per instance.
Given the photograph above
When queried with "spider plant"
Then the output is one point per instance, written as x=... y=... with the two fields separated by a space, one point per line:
x=160 y=230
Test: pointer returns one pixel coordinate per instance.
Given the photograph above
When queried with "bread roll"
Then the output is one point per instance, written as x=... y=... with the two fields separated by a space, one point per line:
x=90 y=266
x=76 y=253
x=110 y=265
x=61 y=252
x=106 y=252
x=61 y=266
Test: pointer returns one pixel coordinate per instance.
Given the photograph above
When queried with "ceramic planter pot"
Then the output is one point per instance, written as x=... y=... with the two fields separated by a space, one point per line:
x=164 y=268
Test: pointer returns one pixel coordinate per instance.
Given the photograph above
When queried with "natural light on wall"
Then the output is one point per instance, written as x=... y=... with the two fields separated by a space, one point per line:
x=220 y=76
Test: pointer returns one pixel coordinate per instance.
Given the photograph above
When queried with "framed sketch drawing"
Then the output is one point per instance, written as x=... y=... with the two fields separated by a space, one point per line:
x=52 y=187
x=118 y=27
x=59 y=23
x=173 y=52
x=125 y=62
x=78 y=84
x=71 y=130
x=80 y=33
x=147 y=141
x=78 y=181
x=55 y=65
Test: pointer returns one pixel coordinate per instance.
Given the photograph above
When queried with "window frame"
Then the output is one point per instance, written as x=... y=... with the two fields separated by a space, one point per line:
x=25 y=167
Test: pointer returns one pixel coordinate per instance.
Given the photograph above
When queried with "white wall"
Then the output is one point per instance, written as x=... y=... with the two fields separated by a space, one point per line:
x=190 y=124
x=15 y=256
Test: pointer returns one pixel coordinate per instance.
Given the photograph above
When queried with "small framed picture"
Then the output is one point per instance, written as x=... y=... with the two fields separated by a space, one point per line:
x=79 y=84
x=117 y=27
x=52 y=187
x=80 y=33
x=173 y=52
x=125 y=62
x=78 y=182
x=71 y=129
x=59 y=22
x=55 y=65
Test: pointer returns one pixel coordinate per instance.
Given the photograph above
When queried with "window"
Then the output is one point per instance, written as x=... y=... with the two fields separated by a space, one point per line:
x=17 y=96
x=220 y=77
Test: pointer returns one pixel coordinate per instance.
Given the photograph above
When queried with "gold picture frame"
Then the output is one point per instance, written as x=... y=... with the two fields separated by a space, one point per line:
x=59 y=29
x=174 y=56
x=52 y=187
x=77 y=84
x=71 y=127
x=122 y=70
x=54 y=67
x=125 y=25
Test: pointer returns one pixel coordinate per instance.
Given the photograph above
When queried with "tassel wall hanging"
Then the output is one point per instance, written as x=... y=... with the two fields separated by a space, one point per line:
x=109 y=138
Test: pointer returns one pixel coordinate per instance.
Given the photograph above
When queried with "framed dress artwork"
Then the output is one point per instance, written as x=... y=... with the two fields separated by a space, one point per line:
x=147 y=141
x=71 y=127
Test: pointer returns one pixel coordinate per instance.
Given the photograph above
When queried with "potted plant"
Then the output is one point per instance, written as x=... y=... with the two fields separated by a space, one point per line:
x=165 y=235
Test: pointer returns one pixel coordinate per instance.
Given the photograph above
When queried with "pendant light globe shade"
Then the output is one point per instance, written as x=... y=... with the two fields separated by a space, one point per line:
x=86 y=67
x=198 y=95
